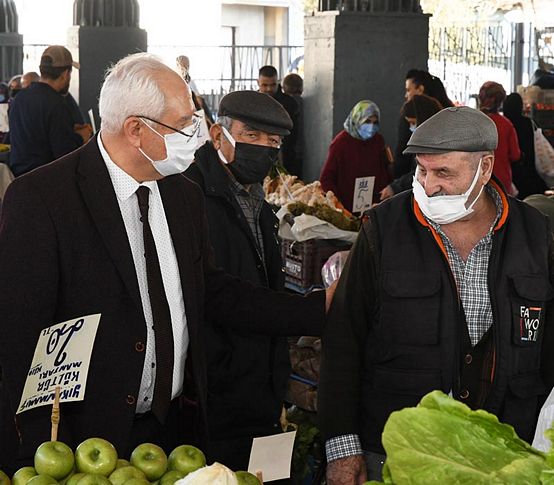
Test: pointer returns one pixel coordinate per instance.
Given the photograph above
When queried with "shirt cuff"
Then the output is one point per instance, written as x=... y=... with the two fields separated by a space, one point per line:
x=342 y=447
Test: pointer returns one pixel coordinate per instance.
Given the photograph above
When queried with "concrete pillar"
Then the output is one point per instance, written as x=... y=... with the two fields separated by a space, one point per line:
x=96 y=49
x=11 y=43
x=104 y=31
x=350 y=56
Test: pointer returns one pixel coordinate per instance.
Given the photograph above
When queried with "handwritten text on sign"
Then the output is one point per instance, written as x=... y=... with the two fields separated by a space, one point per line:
x=62 y=358
x=363 y=193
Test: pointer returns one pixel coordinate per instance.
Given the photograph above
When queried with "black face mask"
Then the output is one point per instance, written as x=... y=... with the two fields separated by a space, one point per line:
x=13 y=92
x=252 y=162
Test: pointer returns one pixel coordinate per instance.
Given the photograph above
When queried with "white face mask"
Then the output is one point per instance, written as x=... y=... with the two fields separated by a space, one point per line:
x=180 y=151
x=445 y=209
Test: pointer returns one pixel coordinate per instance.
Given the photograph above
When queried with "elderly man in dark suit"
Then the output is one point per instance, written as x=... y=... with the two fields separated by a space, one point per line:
x=113 y=228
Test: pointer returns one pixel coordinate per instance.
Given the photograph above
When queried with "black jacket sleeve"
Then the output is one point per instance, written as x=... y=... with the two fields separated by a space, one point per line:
x=344 y=339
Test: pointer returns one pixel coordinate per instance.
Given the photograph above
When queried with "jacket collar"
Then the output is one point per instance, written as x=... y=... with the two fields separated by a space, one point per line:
x=500 y=223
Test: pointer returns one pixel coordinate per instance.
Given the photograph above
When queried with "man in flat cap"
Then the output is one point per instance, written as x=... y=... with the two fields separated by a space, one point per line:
x=115 y=228
x=247 y=374
x=41 y=122
x=449 y=286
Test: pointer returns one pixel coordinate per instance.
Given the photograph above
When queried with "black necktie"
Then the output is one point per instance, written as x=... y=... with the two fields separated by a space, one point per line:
x=160 y=313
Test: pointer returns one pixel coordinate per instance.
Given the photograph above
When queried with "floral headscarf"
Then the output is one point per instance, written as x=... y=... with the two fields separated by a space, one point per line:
x=359 y=115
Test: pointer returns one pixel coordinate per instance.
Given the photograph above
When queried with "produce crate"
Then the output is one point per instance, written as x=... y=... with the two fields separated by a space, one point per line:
x=302 y=261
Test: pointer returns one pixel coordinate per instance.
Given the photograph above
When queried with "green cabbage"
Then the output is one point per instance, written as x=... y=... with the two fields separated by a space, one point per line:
x=442 y=441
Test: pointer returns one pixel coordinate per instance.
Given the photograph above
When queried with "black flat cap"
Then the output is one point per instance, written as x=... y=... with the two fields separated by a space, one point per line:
x=458 y=129
x=257 y=110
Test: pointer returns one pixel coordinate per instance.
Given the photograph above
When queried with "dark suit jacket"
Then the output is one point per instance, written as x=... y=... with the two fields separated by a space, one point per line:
x=64 y=253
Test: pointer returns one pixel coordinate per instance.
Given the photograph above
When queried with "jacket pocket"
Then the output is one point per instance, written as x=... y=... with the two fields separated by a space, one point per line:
x=406 y=381
x=529 y=296
x=521 y=403
x=410 y=307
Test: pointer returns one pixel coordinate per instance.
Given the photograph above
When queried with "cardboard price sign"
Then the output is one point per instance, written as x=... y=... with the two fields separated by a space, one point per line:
x=61 y=359
x=272 y=456
x=363 y=194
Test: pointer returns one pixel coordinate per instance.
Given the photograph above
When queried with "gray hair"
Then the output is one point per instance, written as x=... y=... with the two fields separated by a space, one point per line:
x=131 y=89
x=225 y=121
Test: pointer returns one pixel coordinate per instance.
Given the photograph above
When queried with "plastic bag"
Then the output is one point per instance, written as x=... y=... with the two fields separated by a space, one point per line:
x=546 y=417
x=333 y=268
x=544 y=157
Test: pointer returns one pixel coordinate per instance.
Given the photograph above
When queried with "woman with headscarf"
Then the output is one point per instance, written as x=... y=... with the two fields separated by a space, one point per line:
x=491 y=97
x=524 y=172
x=357 y=151
x=415 y=111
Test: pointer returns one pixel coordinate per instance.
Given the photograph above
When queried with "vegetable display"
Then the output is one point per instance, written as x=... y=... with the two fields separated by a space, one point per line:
x=443 y=441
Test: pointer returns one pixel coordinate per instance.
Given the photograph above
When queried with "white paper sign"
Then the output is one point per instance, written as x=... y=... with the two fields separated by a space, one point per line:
x=92 y=122
x=62 y=358
x=272 y=455
x=363 y=193
x=4 y=123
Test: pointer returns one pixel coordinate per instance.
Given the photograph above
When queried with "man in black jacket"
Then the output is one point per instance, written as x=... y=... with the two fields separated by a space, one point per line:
x=448 y=287
x=268 y=83
x=247 y=374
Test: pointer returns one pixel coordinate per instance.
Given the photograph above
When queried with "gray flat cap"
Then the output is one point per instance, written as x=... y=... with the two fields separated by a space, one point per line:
x=458 y=129
x=257 y=110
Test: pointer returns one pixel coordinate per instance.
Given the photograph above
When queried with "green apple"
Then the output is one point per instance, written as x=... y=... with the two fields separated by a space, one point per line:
x=42 y=480
x=55 y=459
x=120 y=475
x=23 y=475
x=93 y=479
x=151 y=459
x=4 y=479
x=171 y=477
x=121 y=463
x=186 y=459
x=96 y=456
x=137 y=481
x=66 y=479
x=73 y=479
x=247 y=478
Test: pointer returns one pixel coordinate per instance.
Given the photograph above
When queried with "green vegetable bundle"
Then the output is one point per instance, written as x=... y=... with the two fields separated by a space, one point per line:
x=442 y=441
x=327 y=214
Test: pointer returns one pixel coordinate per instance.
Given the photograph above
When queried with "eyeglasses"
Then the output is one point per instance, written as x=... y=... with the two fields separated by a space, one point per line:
x=190 y=129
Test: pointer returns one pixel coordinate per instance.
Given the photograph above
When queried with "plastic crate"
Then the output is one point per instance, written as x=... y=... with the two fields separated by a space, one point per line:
x=303 y=261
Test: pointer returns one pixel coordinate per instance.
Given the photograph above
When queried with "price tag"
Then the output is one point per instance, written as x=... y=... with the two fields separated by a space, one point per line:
x=272 y=455
x=62 y=358
x=363 y=194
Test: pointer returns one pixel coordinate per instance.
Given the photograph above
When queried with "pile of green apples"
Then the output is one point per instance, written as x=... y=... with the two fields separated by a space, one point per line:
x=95 y=462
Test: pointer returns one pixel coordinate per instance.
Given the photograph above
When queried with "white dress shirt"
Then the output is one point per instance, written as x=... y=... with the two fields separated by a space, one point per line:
x=125 y=187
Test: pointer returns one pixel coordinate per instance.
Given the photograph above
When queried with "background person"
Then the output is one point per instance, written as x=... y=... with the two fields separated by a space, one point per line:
x=357 y=151
x=28 y=78
x=491 y=97
x=524 y=172
x=268 y=83
x=41 y=124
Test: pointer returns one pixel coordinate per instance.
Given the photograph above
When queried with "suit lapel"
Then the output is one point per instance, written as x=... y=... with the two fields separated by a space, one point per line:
x=98 y=193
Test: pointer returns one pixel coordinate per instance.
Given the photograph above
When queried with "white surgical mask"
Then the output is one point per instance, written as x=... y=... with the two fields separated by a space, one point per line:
x=180 y=151
x=445 y=209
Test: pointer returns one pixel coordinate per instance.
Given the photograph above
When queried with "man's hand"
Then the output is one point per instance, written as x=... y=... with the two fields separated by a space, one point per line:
x=386 y=193
x=347 y=471
x=329 y=293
